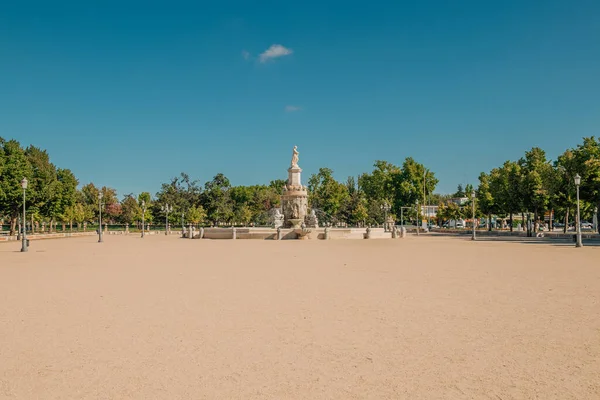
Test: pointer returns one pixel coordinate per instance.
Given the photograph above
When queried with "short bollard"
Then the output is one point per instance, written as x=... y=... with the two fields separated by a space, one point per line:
x=127 y=229
x=233 y=233
x=326 y=234
x=191 y=231
x=394 y=233
x=201 y=233
x=279 y=233
x=403 y=232
x=368 y=234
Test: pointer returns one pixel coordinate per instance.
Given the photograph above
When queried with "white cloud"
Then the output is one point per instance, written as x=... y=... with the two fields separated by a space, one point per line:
x=245 y=54
x=292 y=108
x=275 y=51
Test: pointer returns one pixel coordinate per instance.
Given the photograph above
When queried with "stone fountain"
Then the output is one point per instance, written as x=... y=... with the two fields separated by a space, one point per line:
x=294 y=200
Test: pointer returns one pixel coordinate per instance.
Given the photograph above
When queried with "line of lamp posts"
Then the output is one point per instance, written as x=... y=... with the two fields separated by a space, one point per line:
x=385 y=207
x=167 y=209
x=25 y=242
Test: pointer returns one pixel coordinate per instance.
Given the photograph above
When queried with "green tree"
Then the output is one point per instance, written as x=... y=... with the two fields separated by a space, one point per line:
x=146 y=198
x=44 y=187
x=15 y=167
x=379 y=185
x=196 y=215
x=354 y=211
x=216 y=200
x=130 y=210
x=413 y=184
x=536 y=173
x=327 y=195
x=506 y=189
x=460 y=192
x=485 y=199
x=67 y=193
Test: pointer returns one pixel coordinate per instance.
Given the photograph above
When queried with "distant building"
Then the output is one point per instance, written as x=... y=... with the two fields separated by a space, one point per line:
x=460 y=201
x=429 y=211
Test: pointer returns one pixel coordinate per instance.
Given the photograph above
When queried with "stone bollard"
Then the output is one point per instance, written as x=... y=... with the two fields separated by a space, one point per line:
x=105 y=227
x=394 y=232
x=233 y=233
x=368 y=234
x=127 y=229
x=279 y=233
x=191 y=231
x=201 y=233
x=326 y=234
x=403 y=232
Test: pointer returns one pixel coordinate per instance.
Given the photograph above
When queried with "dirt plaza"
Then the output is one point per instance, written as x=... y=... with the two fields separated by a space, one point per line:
x=415 y=318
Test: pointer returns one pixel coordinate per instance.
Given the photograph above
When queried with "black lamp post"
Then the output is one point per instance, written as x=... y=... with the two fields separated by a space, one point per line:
x=24 y=244
x=166 y=209
x=100 y=217
x=577 y=183
x=143 y=217
x=417 y=219
x=385 y=207
x=473 y=206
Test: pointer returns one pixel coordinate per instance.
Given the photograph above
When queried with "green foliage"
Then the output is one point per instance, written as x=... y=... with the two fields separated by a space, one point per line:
x=217 y=200
x=531 y=184
x=327 y=195
x=196 y=215
x=535 y=184
x=451 y=211
x=460 y=192
x=485 y=198
x=130 y=210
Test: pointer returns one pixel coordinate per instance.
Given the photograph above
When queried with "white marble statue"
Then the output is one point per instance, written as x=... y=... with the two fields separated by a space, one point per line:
x=295 y=157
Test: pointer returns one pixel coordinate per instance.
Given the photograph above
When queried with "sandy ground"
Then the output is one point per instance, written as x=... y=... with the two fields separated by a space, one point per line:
x=420 y=318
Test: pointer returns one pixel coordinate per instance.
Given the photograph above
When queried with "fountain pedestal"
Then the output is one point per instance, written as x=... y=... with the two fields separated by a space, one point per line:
x=294 y=200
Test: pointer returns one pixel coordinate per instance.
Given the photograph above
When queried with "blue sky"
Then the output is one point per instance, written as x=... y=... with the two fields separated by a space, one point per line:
x=128 y=94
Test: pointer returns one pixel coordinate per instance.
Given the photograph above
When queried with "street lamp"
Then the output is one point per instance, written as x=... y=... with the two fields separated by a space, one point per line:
x=385 y=207
x=417 y=221
x=24 y=244
x=166 y=209
x=577 y=183
x=402 y=214
x=473 y=205
x=99 y=217
x=143 y=217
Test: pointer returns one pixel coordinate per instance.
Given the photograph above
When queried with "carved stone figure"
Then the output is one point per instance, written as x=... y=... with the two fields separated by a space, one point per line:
x=295 y=157
x=276 y=218
x=311 y=220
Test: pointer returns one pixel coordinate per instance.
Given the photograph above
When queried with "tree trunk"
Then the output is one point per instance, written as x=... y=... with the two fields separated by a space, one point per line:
x=13 y=225
x=489 y=222
x=71 y=226
x=566 y=220
x=511 y=221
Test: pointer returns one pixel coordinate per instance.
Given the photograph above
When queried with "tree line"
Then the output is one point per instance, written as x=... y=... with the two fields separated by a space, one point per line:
x=540 y=186
x=531 y=184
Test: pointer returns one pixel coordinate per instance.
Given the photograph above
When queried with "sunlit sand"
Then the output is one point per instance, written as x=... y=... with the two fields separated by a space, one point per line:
x=419 y=318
